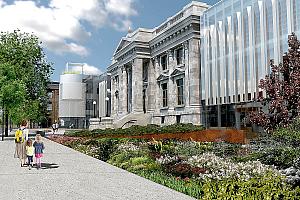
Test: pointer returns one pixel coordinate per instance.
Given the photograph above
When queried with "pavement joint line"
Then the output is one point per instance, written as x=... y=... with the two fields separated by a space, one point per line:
x=40 y=171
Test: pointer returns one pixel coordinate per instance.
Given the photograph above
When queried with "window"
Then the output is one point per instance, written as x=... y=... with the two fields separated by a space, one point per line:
x=178 y=118
x=162 y=119
x=89 y=104
x=145 y=71
x=249 y=96
x=164 y=87
x=179 y=56
x=163 y=62
x=179 y=84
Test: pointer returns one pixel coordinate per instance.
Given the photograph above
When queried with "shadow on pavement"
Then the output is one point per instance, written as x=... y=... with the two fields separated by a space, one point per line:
x=49 y=166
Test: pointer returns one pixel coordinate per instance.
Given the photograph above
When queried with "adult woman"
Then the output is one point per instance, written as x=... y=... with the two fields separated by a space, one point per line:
x=21 y=137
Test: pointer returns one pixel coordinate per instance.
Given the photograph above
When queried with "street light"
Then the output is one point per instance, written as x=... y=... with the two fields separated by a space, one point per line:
x=94 y=106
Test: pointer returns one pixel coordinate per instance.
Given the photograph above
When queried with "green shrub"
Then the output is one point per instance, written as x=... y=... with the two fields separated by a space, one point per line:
x=289 y=135
x=137 y=130
x=282 y=157
x=189 y=187
x=266 y=187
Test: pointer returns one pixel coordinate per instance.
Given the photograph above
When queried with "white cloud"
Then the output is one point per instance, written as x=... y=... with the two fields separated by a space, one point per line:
x=87 y=69
x=120 y=7
x=60 y=24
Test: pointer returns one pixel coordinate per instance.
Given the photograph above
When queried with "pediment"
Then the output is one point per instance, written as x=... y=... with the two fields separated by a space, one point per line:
x=123 y=43
x=162 y=77
x=177 y=72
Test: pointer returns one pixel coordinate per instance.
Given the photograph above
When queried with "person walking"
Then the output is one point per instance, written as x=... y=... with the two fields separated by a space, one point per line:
x=21 y=137
x=29 y=152
x=53 y=128
x=38 y=150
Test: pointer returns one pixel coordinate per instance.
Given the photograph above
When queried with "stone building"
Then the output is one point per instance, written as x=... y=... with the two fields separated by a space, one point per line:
x=52 y=107
x=155 y=73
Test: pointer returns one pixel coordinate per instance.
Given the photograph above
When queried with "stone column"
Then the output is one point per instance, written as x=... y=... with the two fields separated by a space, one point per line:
x=137 y=85
x=151 y=89
x=113 y=97
x=194 y=72
x=172 y=90
x=123 y=91
x=157 y=86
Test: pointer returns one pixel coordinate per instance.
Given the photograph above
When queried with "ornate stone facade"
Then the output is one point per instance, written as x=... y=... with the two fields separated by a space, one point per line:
x=155 y=73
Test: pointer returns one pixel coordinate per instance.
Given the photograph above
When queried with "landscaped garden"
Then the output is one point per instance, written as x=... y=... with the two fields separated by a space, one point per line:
x=266 y=168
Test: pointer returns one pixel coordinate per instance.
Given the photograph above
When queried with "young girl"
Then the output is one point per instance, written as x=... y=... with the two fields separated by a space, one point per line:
x=38 y=150
x=29 y=152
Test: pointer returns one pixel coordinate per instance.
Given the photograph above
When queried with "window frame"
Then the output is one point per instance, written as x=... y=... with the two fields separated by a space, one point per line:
x=164 y=94
x=180 y=91
x=164 y=66
x=179 y=60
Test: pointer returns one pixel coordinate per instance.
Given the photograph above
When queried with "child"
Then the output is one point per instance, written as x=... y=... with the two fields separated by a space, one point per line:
x=29 y=153
x=38 y=150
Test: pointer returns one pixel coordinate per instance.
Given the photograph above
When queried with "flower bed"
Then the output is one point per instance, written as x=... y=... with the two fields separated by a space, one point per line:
x=176 y=131
x=204 y=170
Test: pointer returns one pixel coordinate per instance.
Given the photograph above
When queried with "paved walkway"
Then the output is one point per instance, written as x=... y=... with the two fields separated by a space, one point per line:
x=67 y=174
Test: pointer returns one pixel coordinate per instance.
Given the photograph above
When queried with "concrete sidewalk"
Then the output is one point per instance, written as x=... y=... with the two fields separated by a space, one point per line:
x=68 y=174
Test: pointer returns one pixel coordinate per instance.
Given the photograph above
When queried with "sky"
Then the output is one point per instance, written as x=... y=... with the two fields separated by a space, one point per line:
x=84 y=31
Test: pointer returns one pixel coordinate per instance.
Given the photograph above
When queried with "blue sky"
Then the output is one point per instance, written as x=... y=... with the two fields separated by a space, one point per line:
x=84 y=31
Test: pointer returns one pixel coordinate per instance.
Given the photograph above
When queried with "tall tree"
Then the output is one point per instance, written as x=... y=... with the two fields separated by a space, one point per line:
x=282 y=87
x=24 y=75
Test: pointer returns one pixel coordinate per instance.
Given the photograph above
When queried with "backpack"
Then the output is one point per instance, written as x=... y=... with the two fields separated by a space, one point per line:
x=18 y=136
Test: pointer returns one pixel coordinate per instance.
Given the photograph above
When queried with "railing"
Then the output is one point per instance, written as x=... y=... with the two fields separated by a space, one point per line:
x=129 y=122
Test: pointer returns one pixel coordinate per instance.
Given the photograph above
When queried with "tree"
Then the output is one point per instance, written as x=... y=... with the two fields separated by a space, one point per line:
x=282 y=87
x=24 y=75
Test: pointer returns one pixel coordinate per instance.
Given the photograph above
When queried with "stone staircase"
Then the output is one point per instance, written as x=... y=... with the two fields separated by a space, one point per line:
x=132 y=119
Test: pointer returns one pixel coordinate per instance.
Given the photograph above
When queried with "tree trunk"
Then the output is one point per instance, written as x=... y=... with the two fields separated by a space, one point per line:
x=6 y=123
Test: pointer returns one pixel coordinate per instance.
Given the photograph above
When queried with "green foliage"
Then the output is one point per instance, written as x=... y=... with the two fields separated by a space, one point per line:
x=290 y=134
x=138 y=130
x=280 y=156
x=188 y=186
x=24 y=75
x=266 y=187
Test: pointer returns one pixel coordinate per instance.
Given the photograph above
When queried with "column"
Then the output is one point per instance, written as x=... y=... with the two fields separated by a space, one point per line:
x=263 y=39
x=206 y=66
x=214 y=64
x=137 y=85
x=123 y=91
x=290 y=16
x=231 y=69
x=252 y=81
x=194 y=72
x=276 y=32
x=113 y=97
x=222 y=66
x=151 y=89
x=240 y=82
x=158 y=101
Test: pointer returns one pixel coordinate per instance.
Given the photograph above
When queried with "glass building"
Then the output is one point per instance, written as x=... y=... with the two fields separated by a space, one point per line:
x=238 y=39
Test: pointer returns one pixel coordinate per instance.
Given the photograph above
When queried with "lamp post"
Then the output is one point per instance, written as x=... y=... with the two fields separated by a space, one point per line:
x=94 y=106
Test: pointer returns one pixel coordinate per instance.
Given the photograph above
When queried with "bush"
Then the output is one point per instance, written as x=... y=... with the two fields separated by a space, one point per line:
x=189 y=187
x=264 y=187
x=282 y=157
x=289 y=135
x=137 y=130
